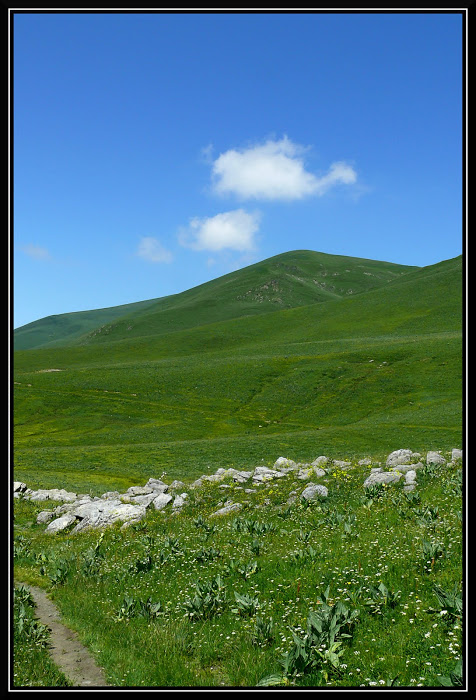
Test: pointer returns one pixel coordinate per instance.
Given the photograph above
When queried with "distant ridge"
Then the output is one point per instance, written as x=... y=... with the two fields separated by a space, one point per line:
x=288 y=280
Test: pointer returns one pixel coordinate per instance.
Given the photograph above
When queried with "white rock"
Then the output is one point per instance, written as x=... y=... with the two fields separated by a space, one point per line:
x=382 y=478
x=139 y=490
x=310 y=471
x=404 y=468
x=176 y=484
x=161 y=500
x=179 y=500
x=103 y=513
x=396 y=457
x=241 y=476
x=60 y=523
x=230 y=508
x=144 y=500
x=265 y=474
x=320 y=461
x=45 y=516
x=433 y=457
x=52 y=495
x=157 y=485
x=284 y=462
x=312 y=491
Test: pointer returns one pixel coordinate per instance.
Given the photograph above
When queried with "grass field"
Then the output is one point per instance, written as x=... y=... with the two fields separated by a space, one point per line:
x=360 y=374
x=299 y=356
x=190 y=600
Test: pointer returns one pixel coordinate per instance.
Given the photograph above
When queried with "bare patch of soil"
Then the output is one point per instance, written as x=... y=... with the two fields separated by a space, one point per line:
x=67 y=652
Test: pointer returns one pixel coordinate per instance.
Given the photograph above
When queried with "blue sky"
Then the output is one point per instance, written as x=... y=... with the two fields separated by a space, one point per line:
x=154 y=152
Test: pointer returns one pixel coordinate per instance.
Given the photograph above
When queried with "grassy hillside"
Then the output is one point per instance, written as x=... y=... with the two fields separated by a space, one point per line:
x=61 y=328
x=189 y=598
x=365 y=373
x=283 y=281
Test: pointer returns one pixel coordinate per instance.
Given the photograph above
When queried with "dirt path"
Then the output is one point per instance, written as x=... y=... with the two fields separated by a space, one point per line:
x=68 y=653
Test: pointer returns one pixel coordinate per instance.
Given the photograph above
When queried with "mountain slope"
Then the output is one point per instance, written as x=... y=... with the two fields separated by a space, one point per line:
x=288 y=280
x=61 y=328
x=368 y=372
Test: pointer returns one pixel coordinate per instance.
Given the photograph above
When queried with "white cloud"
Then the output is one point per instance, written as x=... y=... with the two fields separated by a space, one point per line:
x=338 y=173
x=36 y=252
x=274 y=170
x=234 y=230
x=152 y=250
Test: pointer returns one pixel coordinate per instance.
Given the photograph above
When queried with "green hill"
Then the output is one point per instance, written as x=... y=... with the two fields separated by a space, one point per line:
x=61 y=328
x=366 y=372
x=283 y=281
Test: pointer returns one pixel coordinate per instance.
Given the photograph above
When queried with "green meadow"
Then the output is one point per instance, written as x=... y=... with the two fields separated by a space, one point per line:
x=362 y=588
x=364 y=373
x=301 y=355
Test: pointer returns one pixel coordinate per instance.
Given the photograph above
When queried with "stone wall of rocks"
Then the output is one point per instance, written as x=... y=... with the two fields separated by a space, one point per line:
x=81 y=512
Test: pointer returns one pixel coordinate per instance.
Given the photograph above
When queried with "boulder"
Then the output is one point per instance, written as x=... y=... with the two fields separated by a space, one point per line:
x=284 y=462
x=179 y=500
x=456 y=454
x=103 y=513
x=45 y=516
x=52 y=495
x=161 y=501
x=176 y=484
x=375 y=478
x=434 y=458
x=313 y=491
x=241 y=476
x=140 y=491
x=310 y=471
x=341 y=464
x=320 y=461
x=157 y=485
x=402 y=456
x=213 y=477
x=144 y=500
x=230 y=508
x=410 y=481
x=68 y=507
x=261 y=474
x=60 y=524
x=404 y=468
